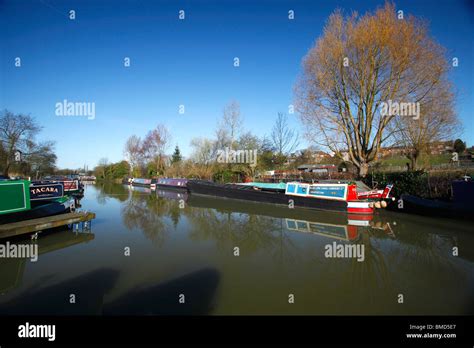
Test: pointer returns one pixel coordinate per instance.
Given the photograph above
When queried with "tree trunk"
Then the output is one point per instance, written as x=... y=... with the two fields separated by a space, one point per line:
x=363 y=169
x=413 y=157
x=7 y=168
x=413 y=162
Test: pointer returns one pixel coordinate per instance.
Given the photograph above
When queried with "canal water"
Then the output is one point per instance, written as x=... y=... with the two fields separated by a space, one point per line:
x=167 y=252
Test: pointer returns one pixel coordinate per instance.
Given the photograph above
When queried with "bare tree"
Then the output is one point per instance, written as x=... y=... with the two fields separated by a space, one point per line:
x=359 y=63
x=133 y=152
x=204 y=151
x=41 y=158
x=154 y=146
x=230 y=126
x=17 y=132
x=437 y=122
x=283 y=138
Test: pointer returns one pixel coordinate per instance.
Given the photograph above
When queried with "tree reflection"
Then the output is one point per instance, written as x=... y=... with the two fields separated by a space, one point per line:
x=147 y=213
x=251 y=233
x=392 y=263
x=106 y=190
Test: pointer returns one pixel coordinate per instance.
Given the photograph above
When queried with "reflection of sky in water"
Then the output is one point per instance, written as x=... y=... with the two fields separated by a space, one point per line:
x=278 y=256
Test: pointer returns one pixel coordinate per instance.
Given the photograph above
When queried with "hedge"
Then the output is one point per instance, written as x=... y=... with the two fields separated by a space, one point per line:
x=433 y=184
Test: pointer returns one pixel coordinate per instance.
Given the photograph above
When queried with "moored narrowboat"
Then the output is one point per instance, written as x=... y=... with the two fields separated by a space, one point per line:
x=171 y=183
x=14 y=196
x=40 y=209
x=331 y=197
x=71 y=186
x=21 y=201
x=281 y=186
x=141 y=182
x=45 y=190
x=459 y=207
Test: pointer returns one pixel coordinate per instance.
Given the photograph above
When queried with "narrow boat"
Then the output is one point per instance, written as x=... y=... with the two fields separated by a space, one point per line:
x=281 y=186
x=141 y=182
x=71 y=186
x=171 y=183
x=127 y=181
x=331 y=197
x=14 y=196
x=363 y=192
x=16 y=203
x=41 y=209
x=376 y=194
x=45 y=190
x=460 y=206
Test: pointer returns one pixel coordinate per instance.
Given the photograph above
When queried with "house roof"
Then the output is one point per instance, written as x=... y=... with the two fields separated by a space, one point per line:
x=316 y=166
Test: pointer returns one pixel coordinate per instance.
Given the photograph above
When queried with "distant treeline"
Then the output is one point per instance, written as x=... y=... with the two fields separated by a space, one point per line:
x=112 y=171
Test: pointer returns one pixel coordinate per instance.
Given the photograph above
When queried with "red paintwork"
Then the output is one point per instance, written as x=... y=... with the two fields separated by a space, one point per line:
x=70 y=185
x=360 y=217
x=360 y=210
x=352 y=232
x=375 y=193
x=351 y=193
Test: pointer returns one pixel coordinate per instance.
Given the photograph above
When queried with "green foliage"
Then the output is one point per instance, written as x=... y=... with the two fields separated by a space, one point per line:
x=176 y=155
x=151 y=170
x=112 y=171
x=413 y=182
x=418 y=183
x=120 y=169
x=459 y=146
x=226 y=175
x=265 y=160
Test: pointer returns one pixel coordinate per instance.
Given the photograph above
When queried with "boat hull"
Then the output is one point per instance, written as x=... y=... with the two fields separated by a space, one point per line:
x=141 y=185
x=421 y=206
x=170 y=187
x=251 y=194
x=169 y=183
x=40 y=209
x=141 y=182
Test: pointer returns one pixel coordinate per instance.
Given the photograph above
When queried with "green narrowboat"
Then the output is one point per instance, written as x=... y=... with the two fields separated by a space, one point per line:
x=16 y=203
x=14 y=196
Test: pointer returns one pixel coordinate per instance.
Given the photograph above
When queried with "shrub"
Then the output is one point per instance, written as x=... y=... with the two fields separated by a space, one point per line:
x=434 y=184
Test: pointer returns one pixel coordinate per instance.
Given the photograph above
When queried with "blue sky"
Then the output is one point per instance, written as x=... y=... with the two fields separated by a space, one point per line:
x=177 y=62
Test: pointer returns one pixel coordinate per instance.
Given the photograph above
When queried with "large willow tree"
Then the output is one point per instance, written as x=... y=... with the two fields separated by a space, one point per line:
x=359 y=63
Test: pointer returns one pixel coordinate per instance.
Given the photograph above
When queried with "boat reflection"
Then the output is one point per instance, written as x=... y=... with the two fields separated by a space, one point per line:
x=140 y=189
x=342 y=232
x=172 y=194
x=328 y=224
x=261 y=227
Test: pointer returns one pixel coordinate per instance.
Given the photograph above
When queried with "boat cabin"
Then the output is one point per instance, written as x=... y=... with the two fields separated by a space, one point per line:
x=341 y=192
